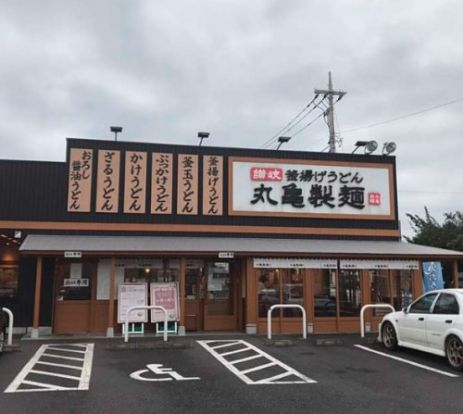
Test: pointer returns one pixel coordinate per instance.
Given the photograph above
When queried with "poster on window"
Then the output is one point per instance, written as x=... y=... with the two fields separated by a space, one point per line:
x=132 y=294
x=165 y=295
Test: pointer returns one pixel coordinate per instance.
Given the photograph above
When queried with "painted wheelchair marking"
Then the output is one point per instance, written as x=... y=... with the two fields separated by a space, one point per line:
x=157 y=369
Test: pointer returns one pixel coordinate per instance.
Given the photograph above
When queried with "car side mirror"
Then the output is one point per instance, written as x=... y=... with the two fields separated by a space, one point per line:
x=405 y=309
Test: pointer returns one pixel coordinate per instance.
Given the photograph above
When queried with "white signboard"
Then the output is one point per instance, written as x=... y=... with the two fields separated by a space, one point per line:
x=75 y=282
x=132 y=294
x=311 y=189
x=380 y=264
x=166 y=295
x=72 y=255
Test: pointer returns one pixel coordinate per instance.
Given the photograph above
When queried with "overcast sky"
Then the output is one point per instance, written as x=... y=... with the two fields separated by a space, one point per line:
x=240 y=69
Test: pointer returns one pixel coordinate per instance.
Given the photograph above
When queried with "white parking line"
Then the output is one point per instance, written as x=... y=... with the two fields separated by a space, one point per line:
x=406 y=361
x=51 y=379
x=268 y=363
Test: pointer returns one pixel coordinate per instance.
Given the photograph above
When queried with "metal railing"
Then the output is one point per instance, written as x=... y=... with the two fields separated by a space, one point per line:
x=10 y=325
x=126 y=323
x=365 y=307
x=285 y=306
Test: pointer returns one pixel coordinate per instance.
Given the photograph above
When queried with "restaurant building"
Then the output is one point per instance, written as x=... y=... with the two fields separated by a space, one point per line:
x=235 y=230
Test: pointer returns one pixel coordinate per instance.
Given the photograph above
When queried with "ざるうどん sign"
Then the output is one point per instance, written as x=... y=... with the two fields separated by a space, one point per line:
x=132 y=294
x=165 y=295
x=310 y=188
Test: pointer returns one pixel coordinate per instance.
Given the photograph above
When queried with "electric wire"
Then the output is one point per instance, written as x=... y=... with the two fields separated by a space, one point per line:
x=398 y=118
x=308 y=124
x=291 y=124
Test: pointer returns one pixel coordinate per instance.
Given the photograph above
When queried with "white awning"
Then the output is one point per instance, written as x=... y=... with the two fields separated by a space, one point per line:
x=290 y=263
x=256 y=247
x=379 y=264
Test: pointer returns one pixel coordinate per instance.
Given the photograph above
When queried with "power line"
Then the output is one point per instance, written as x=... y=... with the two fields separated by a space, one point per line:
x=307 y=125
x=404 y=116
x=290 y=122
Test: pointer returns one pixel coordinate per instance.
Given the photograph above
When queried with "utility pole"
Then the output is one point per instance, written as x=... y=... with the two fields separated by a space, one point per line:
x=330 y=111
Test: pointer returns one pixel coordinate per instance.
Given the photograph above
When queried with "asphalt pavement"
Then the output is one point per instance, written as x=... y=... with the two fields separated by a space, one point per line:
x=214 y=374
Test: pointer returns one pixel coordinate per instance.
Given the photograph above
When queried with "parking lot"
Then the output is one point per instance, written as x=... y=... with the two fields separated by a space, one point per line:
x=227 y=375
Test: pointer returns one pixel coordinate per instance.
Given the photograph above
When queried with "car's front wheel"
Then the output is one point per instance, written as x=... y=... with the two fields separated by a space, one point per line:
x=389 y=336
x=454 y=352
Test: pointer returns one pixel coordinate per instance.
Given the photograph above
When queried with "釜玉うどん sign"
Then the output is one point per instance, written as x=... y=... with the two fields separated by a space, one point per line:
x=310 y=188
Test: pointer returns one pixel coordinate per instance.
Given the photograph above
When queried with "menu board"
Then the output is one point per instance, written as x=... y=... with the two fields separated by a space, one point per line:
x=132 y=294
x=165 y=295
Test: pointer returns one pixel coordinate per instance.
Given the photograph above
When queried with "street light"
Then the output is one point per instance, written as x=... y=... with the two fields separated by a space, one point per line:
x=201 y=136
x=389 y=148
x=369 y=146
x=282 y=140
x=115 y=130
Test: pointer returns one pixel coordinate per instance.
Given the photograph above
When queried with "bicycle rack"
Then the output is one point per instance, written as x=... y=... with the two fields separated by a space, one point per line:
x=285 y=306
x=10 y=325
x=365 y=307
x=126 y=323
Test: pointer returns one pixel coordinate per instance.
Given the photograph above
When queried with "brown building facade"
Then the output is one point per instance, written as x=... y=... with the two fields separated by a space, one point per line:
x=235 y=230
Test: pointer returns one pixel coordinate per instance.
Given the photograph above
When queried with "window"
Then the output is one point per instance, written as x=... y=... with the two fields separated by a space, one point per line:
x=193 y=279
x=401 y=288
x=423 y=305
x=349 y=293
x=293 y=292
x=150 y=271
x=280 y=286
x=325 y=293
x=8 y=281
x=268 y=291
x=446 y=305
x=380 y=289
x=74 y=280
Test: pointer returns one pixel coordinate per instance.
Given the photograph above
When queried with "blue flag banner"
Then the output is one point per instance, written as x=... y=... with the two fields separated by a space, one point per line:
x=432 y=276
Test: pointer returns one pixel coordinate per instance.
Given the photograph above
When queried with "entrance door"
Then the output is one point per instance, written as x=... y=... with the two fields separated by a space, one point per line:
x=74 y=297
x=212 y=295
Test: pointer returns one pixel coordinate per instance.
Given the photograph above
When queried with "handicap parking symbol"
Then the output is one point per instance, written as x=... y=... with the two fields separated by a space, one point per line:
x=157 y=369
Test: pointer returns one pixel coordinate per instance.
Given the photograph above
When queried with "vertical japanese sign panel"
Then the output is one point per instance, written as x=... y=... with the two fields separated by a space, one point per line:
x=80 y=180
x=161 y=184
x=187 y=197
x=107 y=190
x=135 y=182
x=212 y=185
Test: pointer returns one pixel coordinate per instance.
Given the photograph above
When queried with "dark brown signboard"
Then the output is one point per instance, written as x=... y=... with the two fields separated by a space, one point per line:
x=80 y=180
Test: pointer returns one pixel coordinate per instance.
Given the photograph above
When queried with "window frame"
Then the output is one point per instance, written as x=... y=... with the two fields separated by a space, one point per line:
x=431 y=307
x=442 y=294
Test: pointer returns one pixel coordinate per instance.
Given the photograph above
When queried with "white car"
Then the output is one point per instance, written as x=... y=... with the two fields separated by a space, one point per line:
x=432 y=323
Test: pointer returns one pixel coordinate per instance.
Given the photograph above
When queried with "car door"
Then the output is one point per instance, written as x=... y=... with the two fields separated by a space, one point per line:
x=412 y=324
x=444 y=315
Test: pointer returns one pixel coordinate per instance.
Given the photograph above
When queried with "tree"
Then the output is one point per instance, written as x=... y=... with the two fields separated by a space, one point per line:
x=429 y=232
